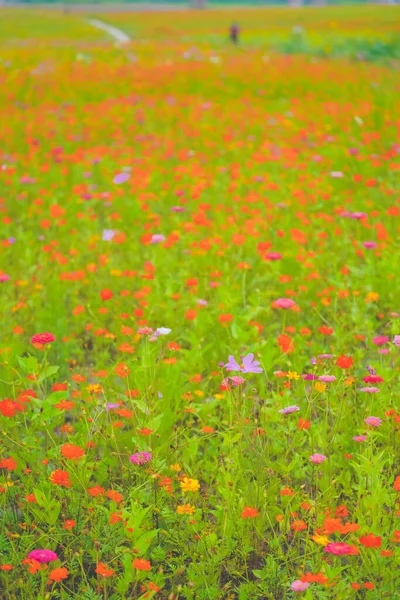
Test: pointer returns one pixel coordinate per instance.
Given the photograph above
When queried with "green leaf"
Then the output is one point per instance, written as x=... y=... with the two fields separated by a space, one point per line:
x=47 y=372
x=28 y=364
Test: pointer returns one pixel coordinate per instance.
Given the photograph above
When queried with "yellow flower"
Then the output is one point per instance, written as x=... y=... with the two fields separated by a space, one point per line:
x=175 y=467
x=186 y=509
x=293 y=375
x=371 y=297
x=189 y=485
x=322 y=540
x=320 y=387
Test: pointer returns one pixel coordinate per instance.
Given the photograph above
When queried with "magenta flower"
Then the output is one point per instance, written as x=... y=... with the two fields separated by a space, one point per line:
x=4 y=277
x=369 y=245
x=299 y=586
x=289 y=409
x=373 y=379
x=43 y=556
x=338 y=548
x=360 y=438
x=249 y=365
x=373 y=421
x=317 y=458
x=380 y=340
x=272 y=256
x=140 y=458
x=309 y=377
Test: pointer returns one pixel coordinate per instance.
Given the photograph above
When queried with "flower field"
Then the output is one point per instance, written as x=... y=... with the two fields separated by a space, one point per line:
x=200 y=319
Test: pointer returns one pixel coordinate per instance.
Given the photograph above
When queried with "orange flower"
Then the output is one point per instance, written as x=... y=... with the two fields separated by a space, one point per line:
x=114 y=496
x=285 y=343
x=249 y=513
x=141 y=564
x=8 y=463
x=58 y=574
x=61 y=478
x=314 y=578
x=396 y=483
x=72 y=452
x=122 y=370
x=70 y=524
x=103 y=570
x=6 y=567
x=298 y=525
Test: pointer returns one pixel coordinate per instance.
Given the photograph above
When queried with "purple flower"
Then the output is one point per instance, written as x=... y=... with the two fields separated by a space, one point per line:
x=43 y=556
x=249 y=365
x=396 y=340
x=289 y=409
x=108 y=235
x=112 y=405
x=11 y=240
x=313 y=361
x=370 y=390
x=121 y=178
x=373 y=421
x=140 y=458
x=371 y=370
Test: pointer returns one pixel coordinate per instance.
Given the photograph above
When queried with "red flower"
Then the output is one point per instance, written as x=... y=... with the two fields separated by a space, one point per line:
x=344 y=362
x=249 y=513
x=141 y=564
x=104 y=571
x=8 y=463
x=43 y=338
x=61 y=478
x=59 y=574
x=106 y=295
x=286 y=343
x=303 y=423
x=396 y=483
x=72 y=452
x=371 y=541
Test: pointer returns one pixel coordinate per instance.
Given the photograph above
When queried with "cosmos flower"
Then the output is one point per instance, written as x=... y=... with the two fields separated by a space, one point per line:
x=108 y=235
x=121 y=178
x=249 y=365
x=289 y=409
x=327 y=378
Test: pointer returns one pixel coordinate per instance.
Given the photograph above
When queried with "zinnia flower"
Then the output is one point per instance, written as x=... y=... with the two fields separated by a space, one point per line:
x=284 y=303
x=338 y=548
x=373 y=421
x=317 y=458
x=42 y=555
x=299 y=586
x=43 y=338
x=140 y=458
x=370 y=390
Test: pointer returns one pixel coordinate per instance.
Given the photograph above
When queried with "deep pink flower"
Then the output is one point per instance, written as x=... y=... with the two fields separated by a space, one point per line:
x=43 y=338
x=380 y=340
x=273 y=256
x=140 y=458
x=373 y=379
x=43 y=556
x=338 y=548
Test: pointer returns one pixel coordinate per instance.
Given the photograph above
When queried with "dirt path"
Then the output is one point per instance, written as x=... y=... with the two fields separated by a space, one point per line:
x=114 y=32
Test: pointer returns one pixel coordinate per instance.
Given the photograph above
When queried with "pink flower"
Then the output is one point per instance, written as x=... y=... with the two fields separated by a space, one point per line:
x=370 y=390
x=43 y=338
x=43 y=556
x=299 y=586
x=317 y=458
x=140 y=458
x=273 y=256
x=327 y=378
x=373 y=421
x=289 y=409
x=338 y=548
x=396 y=340
x=360 y=438
x=283 y=303
x=369 y=245
x=4 y=277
